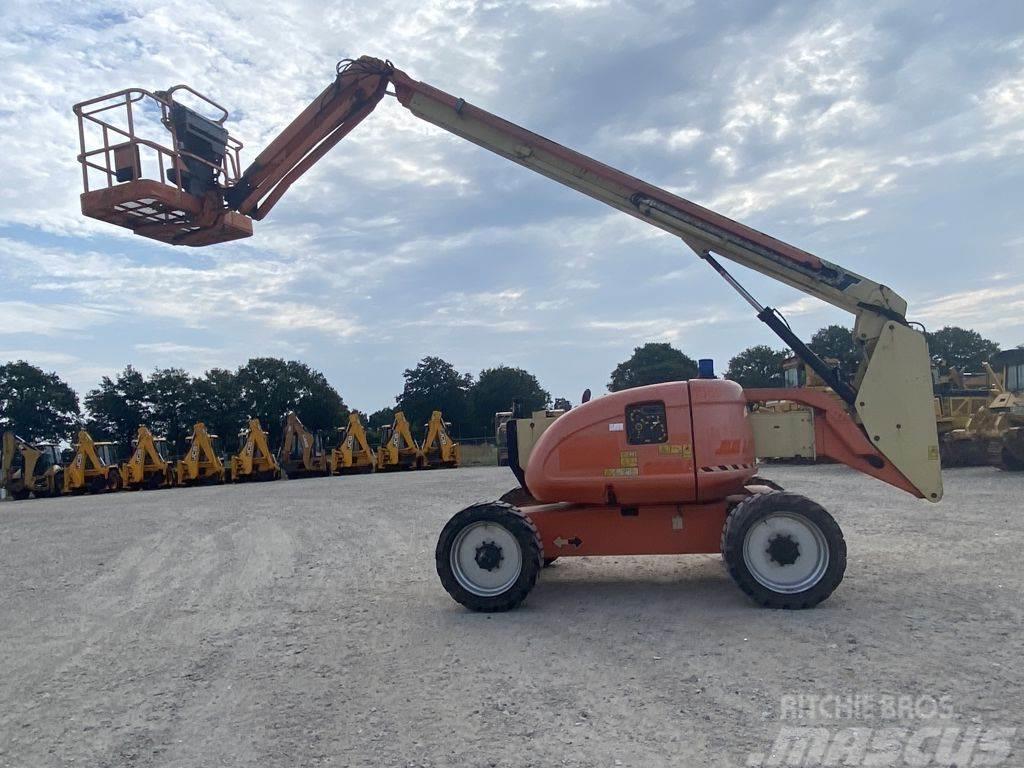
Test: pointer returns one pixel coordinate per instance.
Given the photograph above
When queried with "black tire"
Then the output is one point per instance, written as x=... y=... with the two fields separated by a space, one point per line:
x=153 y=482
x=515 y=523
x=758 y=480
x=1009 y=462
x=113 y=481
x=753 y=510
x=21 y=495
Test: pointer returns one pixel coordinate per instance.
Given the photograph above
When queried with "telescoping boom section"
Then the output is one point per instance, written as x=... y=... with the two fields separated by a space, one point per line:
x=194 y=194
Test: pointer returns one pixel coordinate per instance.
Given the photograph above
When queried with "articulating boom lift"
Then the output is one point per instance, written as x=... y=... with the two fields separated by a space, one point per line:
x=618 y=475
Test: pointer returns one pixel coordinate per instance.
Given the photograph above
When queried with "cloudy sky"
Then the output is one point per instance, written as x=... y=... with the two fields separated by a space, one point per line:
x=887 y=137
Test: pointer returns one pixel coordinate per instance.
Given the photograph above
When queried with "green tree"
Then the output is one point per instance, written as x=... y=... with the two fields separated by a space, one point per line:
x=758 y=366
x=561 y=404
x=960 y=348
x=382 y=418
x=118 y=406
x=435 y=385
x=653 y=363
x=174 y=398
x=218 y=404
x=836 y=342
x=319 y=405
x=270 y=387
x=36 y=405
x=494 y=391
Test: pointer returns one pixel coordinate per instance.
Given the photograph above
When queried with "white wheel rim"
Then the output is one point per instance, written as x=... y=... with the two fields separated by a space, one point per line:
x=786 y=552
x=469 y=573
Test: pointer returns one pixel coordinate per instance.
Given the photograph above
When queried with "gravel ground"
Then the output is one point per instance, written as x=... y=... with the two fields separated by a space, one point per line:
x=302 y=623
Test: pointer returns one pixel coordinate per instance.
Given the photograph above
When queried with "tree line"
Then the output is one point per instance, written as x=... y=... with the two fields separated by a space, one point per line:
x=40 y=406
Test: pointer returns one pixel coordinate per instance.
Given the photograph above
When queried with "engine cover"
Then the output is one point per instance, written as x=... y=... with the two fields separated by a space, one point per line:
x=678 y=442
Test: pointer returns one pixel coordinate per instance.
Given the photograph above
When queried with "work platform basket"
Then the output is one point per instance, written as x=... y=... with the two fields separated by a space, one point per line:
x=174 y=193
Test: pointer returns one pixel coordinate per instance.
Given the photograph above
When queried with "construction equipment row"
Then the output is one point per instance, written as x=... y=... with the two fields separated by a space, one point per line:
x=37 y=470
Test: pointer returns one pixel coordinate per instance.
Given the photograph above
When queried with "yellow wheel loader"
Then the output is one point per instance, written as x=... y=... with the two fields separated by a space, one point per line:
x=202 y=463
x=150 y=466
x=254 y=460
x=438 y=449
x=94 y=467
x=397 y=449
x=30 y=469
x=302 y=452
x=353 y=454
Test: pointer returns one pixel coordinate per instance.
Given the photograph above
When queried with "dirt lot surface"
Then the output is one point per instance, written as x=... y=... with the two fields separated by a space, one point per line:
x=302 y=623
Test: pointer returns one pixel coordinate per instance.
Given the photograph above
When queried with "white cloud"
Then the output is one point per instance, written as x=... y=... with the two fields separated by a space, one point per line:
x=25 y=318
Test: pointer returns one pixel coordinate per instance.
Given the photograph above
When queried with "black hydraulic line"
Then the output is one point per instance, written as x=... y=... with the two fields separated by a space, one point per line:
x=512 y=443
x=775 y=321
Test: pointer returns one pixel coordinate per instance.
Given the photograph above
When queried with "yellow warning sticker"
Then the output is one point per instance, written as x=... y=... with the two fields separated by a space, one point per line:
x=622 y=472
x=686 y=451
x=628 y=459
x=933 y=453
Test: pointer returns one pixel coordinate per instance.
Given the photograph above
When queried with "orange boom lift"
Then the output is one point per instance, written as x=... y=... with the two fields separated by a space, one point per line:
x=666 y=469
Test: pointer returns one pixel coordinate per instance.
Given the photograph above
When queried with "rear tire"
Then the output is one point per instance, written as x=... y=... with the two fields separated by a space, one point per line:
x=488 y=557
x=1009 y=462
x=784 y=550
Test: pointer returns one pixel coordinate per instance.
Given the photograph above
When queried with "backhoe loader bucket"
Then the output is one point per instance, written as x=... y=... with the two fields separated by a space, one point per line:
x=133 y=179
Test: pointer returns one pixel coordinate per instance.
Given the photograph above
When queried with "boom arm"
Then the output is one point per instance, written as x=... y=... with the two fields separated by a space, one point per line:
x=891 y=391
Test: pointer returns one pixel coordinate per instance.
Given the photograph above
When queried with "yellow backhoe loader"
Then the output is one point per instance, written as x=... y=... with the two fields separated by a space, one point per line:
x=254 y=460
x=994 y=434
x=30 y=469
x=397 y=449
x=353 y=454
x=150 y=466
x=438 y=449
x=302 y=452
x=93 y=468
x=202 y=463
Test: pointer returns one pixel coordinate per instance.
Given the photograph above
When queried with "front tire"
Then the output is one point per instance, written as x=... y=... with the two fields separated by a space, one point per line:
x=784 y=550
x=488 y=557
